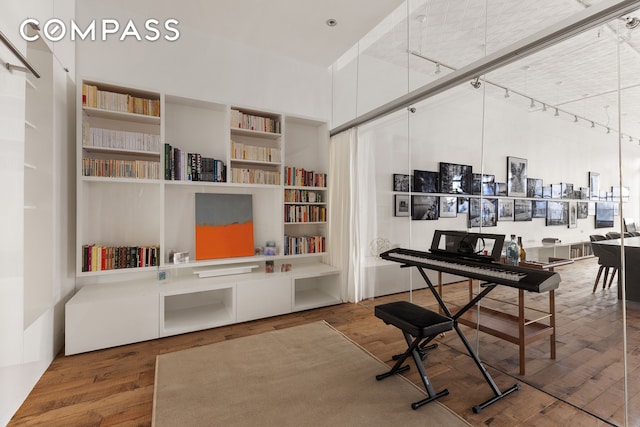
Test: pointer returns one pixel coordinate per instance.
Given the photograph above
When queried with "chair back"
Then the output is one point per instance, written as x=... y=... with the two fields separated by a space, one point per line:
x=613 y=235
x=629 y=225
x=597 y=237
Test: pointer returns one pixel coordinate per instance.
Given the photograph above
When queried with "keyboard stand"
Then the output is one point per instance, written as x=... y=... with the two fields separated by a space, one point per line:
x=488 y=287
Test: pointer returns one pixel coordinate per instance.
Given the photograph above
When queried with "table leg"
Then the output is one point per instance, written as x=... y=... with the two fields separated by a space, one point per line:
x=521 y=321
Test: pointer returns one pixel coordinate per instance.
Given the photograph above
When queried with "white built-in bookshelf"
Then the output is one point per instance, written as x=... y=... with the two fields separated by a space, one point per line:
x=142 y=157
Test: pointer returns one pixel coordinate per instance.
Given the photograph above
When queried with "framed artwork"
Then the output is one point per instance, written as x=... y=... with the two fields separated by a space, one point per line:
x=534 y=187
x=557 y=213
x=584 y=193
x=594 y=185
x=505 y=209
x=455 y=178
x=463 y=205
x=620 y=193
x=224 y=225
x=522 y=210
x=425 y=181
x=424 y=207
x=483 y=212
x=401 y=205
x=476 y=185
x=401 y=182
x=488 y=185
x=539 y=209
x=604 y=214
x=546 y=192
x=501 y=189
x=573 y=214
x=566 y=190
x=592 y=208
x=448 y=206
x=583 y=210
x=516 y=177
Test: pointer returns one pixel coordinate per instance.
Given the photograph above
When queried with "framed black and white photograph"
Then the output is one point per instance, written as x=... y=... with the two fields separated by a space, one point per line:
x=463 y=205
x=557 y=213
x=583 y=210
x=534 y=187
x=516 y=177
x=401 y=205
x=539 y=209
x=592 y=208
x=424 y=207
x=594 y=185
x=488 y=185
x=401 y=182
x=483 y=212
x=476 y=184
x=566 y=190
x=556 y=191
x=573 y=214
x=604 y=214
x=448 y=206
x=455 y=178
x=501 y=189
x=505 y=209
x=522 y=210
x=620 y=194
x=546 y=192
x=426 y=181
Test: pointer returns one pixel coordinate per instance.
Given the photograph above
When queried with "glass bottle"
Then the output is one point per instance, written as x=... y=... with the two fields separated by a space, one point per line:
x=513 y=251
x=523 y=253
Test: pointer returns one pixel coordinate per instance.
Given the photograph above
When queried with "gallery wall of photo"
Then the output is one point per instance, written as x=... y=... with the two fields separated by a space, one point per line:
x=456 y=190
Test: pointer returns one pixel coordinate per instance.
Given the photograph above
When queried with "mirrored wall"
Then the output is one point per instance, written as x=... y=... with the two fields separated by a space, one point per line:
x=544 y=148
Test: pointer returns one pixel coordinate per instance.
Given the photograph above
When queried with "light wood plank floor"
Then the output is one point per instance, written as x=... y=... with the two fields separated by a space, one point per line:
x=584 y=386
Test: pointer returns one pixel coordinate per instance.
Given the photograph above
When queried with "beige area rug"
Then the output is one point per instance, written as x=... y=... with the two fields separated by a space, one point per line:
x=308 y=375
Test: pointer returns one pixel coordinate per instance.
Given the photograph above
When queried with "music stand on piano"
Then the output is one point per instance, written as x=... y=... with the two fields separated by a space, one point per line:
x=465 y=254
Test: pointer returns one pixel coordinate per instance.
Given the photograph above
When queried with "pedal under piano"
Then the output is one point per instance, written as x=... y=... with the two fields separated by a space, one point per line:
x=477 y=256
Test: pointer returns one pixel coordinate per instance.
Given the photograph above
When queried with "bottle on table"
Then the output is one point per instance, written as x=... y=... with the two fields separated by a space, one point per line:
x=523 y=253
x=513 y=251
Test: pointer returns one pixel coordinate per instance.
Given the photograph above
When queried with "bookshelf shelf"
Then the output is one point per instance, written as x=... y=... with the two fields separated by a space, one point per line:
x=130 y=211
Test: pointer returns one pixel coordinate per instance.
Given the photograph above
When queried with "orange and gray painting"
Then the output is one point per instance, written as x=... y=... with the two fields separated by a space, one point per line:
x=224 y=225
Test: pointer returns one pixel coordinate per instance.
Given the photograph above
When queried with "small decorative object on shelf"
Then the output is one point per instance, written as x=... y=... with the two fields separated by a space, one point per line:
x=513 y=251
x=523 y=253
x=180 y=257
x=285 y=267
x=269 y=266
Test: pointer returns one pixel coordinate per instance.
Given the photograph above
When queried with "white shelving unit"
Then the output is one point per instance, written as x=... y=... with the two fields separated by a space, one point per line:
x=159 y=212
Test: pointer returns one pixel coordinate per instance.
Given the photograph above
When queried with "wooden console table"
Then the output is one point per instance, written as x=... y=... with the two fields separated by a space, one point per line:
x=516 y=329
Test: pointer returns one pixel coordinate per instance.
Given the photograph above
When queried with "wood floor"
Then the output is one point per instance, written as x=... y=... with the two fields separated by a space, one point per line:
x=584 y=386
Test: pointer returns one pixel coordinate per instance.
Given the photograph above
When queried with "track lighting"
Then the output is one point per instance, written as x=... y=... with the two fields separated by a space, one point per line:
x=437 y=71
x=544 y=107
x=532 y=105
x=593 y=125
x=575 y=119
x=608 y=130
x=632 y=23
x=476 y=83
x=506 y=93
x=556 y=114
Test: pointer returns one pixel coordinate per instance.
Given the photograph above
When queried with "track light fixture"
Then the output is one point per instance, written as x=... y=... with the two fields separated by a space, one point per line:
x=575 y=119
x=437 y=71
x=532 y=105
x=556 y=114
x=506 y=93
x=630 y=139
x=608 y=130
x=476 y=83
x=632 y=22
x=544 y=107
x=593 y=125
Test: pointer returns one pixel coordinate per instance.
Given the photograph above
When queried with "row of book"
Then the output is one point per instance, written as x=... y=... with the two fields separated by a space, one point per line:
x=302 y=196
x=255 y=176
x=119 y=139
x=182 y=166
x=296 y=245
x=304 y=178
x=114 y=168
x=240 y=120
x=304 y=213
x=240 y=151
x=95 y=98
x=97 y=257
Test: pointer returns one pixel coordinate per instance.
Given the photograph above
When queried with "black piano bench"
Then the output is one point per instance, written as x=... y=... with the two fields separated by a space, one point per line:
x=417 y=324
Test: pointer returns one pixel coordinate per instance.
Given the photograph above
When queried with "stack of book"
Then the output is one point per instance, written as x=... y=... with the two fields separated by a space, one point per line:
x=297 y=245
x=305 y=178
x=97 y=257
x=183 y=166
x=240 y=120
x=93 y=97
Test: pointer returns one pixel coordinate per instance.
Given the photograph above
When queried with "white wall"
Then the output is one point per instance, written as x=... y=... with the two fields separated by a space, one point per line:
x=202 y=66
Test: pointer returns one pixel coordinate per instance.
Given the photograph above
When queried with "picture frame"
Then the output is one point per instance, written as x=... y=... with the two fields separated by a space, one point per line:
x=605 y=212
x=488 y=185
x=522 y=210
x=546 y=192
x=620 y=194
x=463 y=205
x=556 y=191
x=573 y=214
x=501 y=189
x=505 y=209
x=539 y=209
x=583 y=210
x=426 y=181
x=483 y=212
x=402 y=205
x=594 y=185
x=455 y=178
x=476 y=184
x=534 y=188
x=448 y=206
x=566 y=190
x=516 y=177
x=424 y=207
x=401 y=182
x=557 y=213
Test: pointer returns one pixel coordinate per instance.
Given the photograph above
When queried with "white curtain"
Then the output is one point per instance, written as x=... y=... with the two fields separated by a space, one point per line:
x=341 y=176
